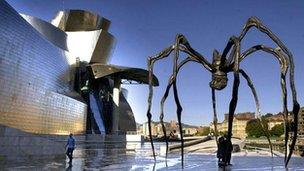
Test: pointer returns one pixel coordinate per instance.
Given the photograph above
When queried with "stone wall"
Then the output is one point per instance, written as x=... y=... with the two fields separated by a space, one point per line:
x=15 y=144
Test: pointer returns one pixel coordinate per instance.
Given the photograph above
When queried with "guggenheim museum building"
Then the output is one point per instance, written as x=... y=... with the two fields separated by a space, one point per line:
x=55 y=78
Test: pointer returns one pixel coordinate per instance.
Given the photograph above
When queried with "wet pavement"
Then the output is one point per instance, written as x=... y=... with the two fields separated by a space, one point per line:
x=119 y=156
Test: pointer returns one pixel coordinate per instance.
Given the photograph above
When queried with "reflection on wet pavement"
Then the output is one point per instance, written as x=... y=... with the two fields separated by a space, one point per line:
x=121 y=156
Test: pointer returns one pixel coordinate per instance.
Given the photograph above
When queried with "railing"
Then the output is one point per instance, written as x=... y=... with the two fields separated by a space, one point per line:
x=275 y=152
x=276 y=145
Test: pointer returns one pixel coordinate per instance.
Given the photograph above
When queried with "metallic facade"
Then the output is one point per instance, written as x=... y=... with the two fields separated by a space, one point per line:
x=51 y=33
x=88 y=36
x=34 y=80
x=135 y=74
x=126 y=117
x=46 y=80
x=80 y=20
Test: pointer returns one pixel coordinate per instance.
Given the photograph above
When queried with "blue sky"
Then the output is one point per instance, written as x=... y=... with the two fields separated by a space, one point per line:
x=144 y=28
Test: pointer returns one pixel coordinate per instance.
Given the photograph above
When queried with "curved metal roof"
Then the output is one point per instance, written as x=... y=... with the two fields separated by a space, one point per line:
x=135 y=74
x=49 y=31
x=80 y=20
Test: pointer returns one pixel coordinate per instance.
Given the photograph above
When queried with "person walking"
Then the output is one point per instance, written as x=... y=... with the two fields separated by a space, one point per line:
x=70 y=145
x=229 y=150
x=221 y=150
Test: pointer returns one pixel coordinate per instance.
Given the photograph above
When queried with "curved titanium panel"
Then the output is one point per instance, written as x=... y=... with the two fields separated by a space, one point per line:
x=124 y=92
x=80 y=20
x=136 y=74
x=33 y=78
x=88 y=37
x=49 y=31
x=95 y=109
x=126 y=116
x=90 y=46
x=104 y=48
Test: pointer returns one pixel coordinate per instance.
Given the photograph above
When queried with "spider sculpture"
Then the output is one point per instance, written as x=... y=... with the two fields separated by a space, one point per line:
x=219 y=68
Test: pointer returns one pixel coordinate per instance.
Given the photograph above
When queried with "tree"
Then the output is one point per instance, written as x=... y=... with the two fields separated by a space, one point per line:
x=203 y=131
x=223 y=133
x=267 y=115
x=277 y=130
x=254 y=128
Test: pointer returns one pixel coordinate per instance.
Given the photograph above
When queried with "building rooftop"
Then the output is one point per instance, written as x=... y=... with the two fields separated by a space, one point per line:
x=241 y=116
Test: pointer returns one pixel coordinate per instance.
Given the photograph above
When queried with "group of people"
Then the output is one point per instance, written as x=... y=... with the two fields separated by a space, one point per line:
x=224 y=151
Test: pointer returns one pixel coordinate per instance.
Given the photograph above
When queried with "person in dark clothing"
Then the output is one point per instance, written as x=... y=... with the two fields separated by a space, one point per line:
x=221 y=150
x=229 y=149
x=302 y=155
x=70 y=145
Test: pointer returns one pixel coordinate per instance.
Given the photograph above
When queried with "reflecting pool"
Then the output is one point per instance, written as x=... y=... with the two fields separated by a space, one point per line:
x=136 y=156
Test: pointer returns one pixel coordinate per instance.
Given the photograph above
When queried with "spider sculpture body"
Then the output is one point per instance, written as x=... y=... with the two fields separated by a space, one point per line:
x=219 y=68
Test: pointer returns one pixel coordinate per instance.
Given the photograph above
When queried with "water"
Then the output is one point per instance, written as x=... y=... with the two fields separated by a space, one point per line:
x=119 y=156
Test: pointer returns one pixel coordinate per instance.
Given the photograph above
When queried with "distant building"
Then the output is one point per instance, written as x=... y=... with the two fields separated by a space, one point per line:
x=145 y=128
x=239 y=124
x=301 y=128
x=189 y=131
x=139 y=129
x=274 y=120
x=172 y=128
x=203 y=130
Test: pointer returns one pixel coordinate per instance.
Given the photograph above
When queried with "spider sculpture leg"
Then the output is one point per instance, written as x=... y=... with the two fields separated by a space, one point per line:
x=255 y=22
x=232 y=107
x=250 y=84
x=181 y=44
x=176 y=99
x=178 y=41
x=233 y=103
x=164 y=98
x=194 y=56
x=233 y=42
x=284 y=63
x=151 y=61
x=285 y=111
x=230 y=44
x=229 y=65
x=214 y=114
x=179 y=113
x=172 y=80
x=258 y=109
x=149 y=115
x=161 y=117
x=236 y=82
